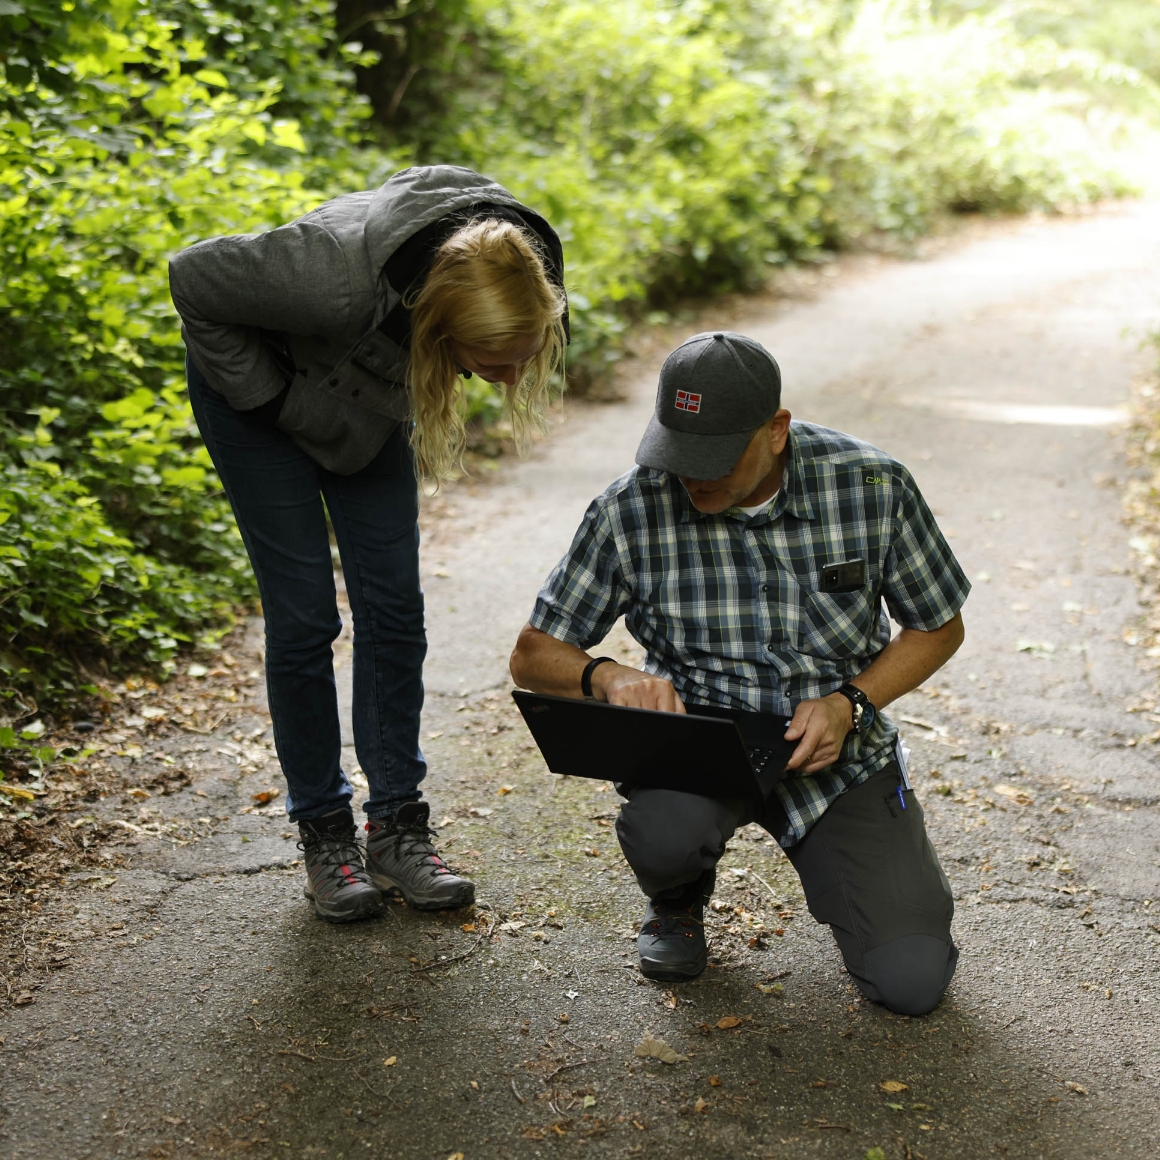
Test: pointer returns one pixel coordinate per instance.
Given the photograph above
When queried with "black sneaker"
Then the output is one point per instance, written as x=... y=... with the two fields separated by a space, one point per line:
x=336 y=880
x=401 y=857
x=671 y=942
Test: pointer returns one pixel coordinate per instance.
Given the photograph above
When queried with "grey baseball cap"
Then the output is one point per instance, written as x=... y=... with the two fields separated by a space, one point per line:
x=715 y=390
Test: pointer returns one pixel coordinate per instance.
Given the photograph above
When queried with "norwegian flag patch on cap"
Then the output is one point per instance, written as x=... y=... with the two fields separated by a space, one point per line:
x=688 y=401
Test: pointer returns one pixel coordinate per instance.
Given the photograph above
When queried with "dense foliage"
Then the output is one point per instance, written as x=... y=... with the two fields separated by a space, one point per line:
x=679 y=147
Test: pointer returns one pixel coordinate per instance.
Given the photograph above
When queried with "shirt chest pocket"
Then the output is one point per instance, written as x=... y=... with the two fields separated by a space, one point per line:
x=839 y=625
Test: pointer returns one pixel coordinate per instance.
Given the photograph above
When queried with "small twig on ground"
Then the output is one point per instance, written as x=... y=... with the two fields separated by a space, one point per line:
x=457 y=958
x=380 y=1095
x=516 y=1093
x=210 y=729
x=312 y=1058
x=842 y=1127
x=568 y=1067
x=254 y=1021
x=772 y=892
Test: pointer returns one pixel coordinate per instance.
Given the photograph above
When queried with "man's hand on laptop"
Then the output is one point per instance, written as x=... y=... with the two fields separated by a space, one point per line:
x=622 y=685
x=820 y=728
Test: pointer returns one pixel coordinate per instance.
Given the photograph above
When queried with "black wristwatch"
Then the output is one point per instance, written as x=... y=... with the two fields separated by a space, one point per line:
x=864 y=711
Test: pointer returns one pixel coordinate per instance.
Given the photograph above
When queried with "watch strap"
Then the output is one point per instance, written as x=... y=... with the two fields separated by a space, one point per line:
x=586 y=676
x=860 y=704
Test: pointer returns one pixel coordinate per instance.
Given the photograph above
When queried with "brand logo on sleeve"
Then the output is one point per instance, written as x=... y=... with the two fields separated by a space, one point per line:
x=688 y=401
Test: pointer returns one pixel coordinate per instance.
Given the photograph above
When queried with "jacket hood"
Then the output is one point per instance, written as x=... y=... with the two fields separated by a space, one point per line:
x=416 y=197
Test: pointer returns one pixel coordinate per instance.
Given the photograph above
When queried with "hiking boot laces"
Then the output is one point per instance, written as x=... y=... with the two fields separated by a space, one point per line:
x=671 y=921
x=342 y=854
x=413 y=842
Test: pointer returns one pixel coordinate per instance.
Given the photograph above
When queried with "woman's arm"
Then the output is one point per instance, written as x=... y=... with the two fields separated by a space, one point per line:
x=229 y=290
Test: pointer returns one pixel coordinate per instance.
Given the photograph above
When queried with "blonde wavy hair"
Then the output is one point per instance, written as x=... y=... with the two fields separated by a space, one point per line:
x=488 y=287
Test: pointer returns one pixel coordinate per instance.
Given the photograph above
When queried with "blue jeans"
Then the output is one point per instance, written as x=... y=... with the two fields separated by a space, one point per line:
x=277 y=493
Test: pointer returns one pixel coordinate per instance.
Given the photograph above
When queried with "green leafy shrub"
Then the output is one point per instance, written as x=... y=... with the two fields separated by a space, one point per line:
x=116 y=542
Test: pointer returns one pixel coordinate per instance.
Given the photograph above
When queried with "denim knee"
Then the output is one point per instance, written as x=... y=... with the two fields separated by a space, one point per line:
x=908 y=975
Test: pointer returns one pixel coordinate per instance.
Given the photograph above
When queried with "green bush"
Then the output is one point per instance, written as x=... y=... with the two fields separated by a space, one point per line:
x=679 y=147
x=116 y=543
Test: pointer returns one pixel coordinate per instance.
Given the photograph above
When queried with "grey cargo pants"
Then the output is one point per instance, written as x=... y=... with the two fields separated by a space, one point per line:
x=867 y=867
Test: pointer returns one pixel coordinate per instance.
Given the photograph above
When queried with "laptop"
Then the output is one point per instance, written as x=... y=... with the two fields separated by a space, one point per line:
x=714 y=752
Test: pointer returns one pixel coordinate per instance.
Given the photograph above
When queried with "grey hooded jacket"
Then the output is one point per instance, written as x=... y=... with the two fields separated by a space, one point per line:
x=316 y=288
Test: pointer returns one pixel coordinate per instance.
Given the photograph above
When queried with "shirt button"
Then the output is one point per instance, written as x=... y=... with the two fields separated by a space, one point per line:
x=765 y=588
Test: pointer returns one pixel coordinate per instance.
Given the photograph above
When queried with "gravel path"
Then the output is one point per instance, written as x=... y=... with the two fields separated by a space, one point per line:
x=203 y=1011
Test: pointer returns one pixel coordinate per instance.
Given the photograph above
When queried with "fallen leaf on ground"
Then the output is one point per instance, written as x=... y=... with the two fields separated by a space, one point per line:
x=589 y=1101
x=455 y=1156
x=652 y=1048
x=700 y=1105
x=174 y=1120
x=669 y=1001
x=729 y=1021
x=893 y=1086
x=390 y=1061
x=773 y=989
x=1019 y=796
x=503 y=789
x=469 y=927
x=1078 y=1088
x=264 y=796
x=480 y=812
x=532 y=1134
x=23 y=999
x=20 y=794
x=714 y=1081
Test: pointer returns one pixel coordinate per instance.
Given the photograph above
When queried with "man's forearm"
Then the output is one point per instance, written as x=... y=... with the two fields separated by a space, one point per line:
x=908 y=660
x=546 y=665
x=820 y=726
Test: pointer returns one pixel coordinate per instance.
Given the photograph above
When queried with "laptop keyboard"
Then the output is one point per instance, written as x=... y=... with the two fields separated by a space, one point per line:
x=760 y=758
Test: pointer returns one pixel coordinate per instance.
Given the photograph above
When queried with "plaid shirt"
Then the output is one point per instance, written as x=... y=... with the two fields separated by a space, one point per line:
x=729 y=607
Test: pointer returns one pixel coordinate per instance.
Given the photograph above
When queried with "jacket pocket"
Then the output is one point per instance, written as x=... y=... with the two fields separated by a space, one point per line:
x=310 y=413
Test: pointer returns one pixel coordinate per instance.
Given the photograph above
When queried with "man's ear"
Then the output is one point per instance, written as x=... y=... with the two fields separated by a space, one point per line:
x=779 y=431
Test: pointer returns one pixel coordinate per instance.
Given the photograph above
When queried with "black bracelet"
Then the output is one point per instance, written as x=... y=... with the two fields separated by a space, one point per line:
x=586 y=676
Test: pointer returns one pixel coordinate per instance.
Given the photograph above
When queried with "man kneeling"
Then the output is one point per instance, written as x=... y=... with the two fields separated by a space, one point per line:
x=751 y=556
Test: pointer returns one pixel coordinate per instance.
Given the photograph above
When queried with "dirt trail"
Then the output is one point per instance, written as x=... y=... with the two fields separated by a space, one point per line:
x=205 y=1011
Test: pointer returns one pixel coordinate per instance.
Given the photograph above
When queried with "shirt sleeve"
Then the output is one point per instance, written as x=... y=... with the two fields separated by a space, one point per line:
x=230 y=290
x=586 y=593
x=923 y=585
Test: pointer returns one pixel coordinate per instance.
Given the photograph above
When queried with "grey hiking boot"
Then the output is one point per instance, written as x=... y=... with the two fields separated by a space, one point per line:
x=336 y=880
x=401 y=857
x=671 y=941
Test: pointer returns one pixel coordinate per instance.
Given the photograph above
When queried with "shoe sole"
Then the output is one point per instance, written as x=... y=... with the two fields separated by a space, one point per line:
x=464 y=896
x=370 y=908
x=671 y=972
